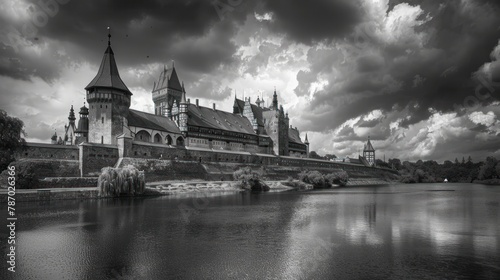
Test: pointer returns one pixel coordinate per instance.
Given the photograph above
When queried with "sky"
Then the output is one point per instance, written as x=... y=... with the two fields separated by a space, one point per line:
x=420 y=78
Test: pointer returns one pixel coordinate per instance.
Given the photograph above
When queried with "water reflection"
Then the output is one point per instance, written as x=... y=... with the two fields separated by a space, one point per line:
x=385 y=232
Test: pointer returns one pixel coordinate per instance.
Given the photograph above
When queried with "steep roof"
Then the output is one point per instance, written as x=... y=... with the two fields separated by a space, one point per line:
x=368 y=147
x=207 y=117
x=168 y=79
x=150 y=121
x=108 y=76
x=240 y=104
x=294 y=136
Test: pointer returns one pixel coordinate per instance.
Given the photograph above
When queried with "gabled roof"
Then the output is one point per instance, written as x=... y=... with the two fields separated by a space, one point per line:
x=294 y=136
x=150 y=121
x=168 y=79
x=257 y=111
x=209 y=118
x=240 y=104
x=108 y=76
x=368 y=147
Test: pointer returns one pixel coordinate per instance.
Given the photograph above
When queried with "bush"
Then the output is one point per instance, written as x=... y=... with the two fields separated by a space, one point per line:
x=319 y=180
x=337 y=178
x=115 y=181
x=26 y=175
x=250 y=179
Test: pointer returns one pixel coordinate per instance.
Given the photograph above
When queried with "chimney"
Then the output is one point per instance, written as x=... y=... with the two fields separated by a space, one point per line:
x=189 y=100
x=214 y=106
x=197 y=102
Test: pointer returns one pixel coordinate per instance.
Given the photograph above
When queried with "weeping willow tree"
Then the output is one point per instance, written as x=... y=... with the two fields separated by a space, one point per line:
x=115 y=181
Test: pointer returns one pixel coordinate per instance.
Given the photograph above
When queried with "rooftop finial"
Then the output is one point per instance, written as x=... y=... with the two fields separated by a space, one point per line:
x=173 y=63
x=109 y=36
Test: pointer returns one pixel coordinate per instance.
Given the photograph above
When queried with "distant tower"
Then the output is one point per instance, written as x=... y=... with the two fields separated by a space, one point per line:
x=258 y=102
x=82 y=132
x=369 y=153
x=69 y=130
x=306 y=141
x=275 y=100
x=167 y=90
x=109 y=101
x=54 y=138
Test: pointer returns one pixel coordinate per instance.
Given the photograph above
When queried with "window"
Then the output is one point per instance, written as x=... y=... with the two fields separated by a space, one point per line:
x=102 y=119
x=102 y=139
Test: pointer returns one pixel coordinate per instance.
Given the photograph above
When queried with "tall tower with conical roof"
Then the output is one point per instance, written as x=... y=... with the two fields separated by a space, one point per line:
x=109 y=101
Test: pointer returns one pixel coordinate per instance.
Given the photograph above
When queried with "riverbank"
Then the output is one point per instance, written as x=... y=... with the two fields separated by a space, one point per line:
x=152 y=189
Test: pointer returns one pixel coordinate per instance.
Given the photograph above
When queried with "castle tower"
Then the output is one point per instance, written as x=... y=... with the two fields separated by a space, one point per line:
x=109 y=101
x=258 y=102
x=275 y=101
x=166 y=90
x=306 y=141
x=53 y=139
x=369 y=152
x=82 y=130
x=183 y=115
x=69 y=135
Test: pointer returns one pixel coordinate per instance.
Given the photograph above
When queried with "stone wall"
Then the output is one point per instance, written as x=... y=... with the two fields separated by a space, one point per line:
x=93 y=157
x=47 y=151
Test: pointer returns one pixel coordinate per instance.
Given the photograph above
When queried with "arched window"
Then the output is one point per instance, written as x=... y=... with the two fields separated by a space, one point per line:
x=157 y=138
x=143 y=136
x=168 y=140
x=179 y=141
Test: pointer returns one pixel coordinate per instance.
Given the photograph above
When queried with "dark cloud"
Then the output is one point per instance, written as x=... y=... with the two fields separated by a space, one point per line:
x=313 y=21
x=448 y=57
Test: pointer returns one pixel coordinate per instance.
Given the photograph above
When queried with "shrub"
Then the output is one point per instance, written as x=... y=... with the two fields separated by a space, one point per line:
x=337 y=178
x=115 y=181
x=319 y=180
x=250 y=179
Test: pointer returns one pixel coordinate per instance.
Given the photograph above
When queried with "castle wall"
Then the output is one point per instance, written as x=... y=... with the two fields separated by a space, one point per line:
x=93 y=157
x=48 y=151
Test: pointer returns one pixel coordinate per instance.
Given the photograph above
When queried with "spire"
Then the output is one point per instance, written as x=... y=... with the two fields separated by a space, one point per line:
x=109 y=36
x=368 y=146
x=108 y=76
x=275 y=100
x=183 y=88
x=183 y=98
x=306 y=141
x=71 y=117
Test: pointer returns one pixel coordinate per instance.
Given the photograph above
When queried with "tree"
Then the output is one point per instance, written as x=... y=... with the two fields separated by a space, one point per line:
x=488 y=170
x=330 y=156
x=315 y=155
x=11 y=138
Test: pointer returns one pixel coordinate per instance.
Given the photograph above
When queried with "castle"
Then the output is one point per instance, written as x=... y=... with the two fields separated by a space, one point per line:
x=109 y=130
x=177 y=121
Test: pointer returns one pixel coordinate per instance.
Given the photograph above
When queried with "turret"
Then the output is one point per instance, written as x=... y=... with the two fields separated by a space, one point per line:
x=83 y=125
x=369 y=152
x=183 y=115
x=306 y=141
x=275 y=100
x=53 y=139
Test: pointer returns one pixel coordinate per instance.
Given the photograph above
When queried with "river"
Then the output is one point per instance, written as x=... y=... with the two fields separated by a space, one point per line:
x=424 y=231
